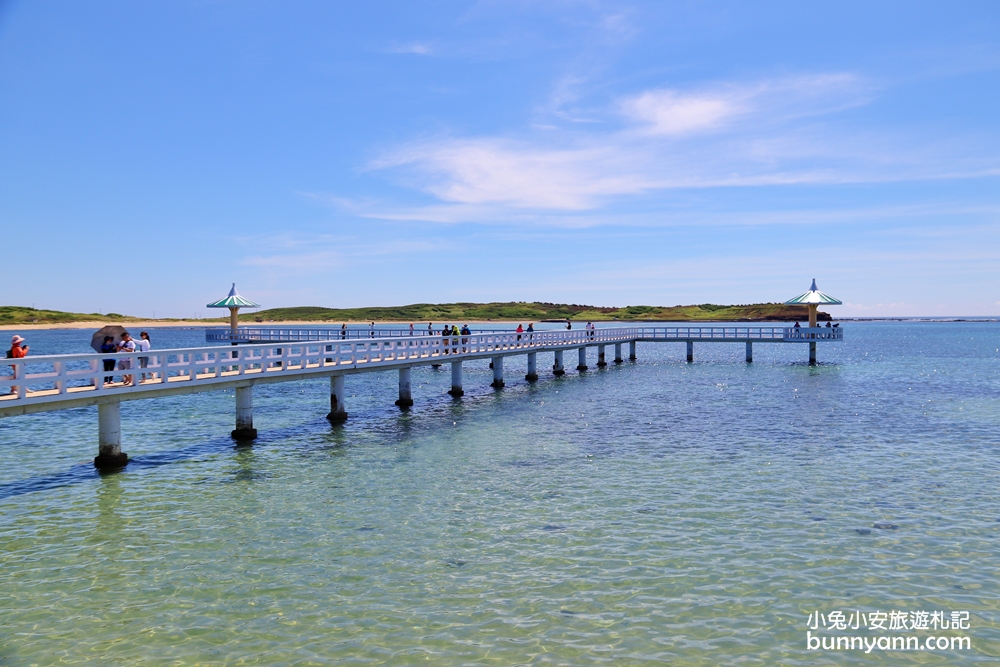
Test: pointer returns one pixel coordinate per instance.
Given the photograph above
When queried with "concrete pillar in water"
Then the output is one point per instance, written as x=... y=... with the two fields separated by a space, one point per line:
x=557 y=364
x=690 y=355
x=338 y=409
x=456 y=379
x=631 y=351
x=601 y=363
x=405 y=388
x=618 y=354
x=497 y=373
x=532 y=367
x=244 y=414
x=812 y=353
x=109 y=434
x=749 y=352
x=582 y=359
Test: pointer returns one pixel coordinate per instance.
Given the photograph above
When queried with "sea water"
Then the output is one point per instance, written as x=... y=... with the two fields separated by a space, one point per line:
x=655 y=512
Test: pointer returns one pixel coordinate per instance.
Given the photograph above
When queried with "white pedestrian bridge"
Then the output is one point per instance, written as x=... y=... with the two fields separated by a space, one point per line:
x=57 y=382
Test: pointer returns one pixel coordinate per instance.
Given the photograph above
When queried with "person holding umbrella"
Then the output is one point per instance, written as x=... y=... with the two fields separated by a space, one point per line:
x=107 y=347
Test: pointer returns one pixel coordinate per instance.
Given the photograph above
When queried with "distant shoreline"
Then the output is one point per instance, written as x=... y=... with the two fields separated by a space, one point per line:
x=189 y=324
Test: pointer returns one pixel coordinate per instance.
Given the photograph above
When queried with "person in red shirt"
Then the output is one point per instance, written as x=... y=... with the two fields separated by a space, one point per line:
x=18 y=350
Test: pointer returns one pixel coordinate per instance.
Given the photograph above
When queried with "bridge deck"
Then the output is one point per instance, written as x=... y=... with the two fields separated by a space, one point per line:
x=57 y=382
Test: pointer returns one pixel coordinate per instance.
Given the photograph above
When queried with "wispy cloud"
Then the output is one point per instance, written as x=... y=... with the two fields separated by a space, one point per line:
x=318 y=253
x=765 y=133
x=414 y=48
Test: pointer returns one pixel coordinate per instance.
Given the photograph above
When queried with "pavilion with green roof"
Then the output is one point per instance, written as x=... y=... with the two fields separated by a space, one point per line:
x=814 y=299
x=233 y=302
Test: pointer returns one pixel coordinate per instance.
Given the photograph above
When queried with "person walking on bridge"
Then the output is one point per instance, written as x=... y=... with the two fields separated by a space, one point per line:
x=371 y=330
x=127 y=345
x=466 y=331
x=18 y=350
x=144 y=345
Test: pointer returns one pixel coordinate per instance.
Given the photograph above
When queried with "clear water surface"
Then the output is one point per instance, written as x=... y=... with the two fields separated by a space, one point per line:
x=651 y=513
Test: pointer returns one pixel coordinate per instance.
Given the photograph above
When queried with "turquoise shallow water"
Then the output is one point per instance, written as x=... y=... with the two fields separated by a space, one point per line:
x=651 y=513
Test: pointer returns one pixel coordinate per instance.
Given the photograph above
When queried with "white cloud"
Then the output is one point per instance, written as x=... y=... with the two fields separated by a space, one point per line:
x=670 y=112
x=675 y=112
x=518 y=174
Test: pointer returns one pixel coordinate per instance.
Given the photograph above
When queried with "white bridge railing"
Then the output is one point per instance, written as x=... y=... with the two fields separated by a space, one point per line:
x=51 y=378
x=279 y=334
x=733 y=334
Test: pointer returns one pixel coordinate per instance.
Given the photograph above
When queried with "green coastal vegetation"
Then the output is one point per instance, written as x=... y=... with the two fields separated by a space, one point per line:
x=537 y=311
x=454 y=312
x=25 y=315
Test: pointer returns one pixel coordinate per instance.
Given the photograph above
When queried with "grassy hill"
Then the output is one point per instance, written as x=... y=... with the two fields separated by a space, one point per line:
x=536 y=311
x=455 y=313
x=25 y=315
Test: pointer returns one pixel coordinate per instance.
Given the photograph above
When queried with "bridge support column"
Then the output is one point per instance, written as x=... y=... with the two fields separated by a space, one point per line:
x=497 y=373
x=557 y=364
x=690 y=346
x=456 y=379
x=405 y=388
x=601 y=363
x=244 y=414
x=812 y=353
x=582 y=359
x=631 y=351
x=749 y=352
x=338 y=409
x=532 y=375
x=109 y=437
x=618 y=354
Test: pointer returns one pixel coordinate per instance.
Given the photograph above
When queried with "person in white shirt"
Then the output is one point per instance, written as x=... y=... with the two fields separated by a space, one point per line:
x=144 y=345
x=127 y=345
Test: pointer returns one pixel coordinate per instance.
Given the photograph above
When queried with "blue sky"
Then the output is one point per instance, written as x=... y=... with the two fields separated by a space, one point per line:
x=350 y=154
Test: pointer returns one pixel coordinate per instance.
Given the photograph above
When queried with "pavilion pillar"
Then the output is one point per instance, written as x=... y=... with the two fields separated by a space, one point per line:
x=532 y=367
x=812 y=352
x=244 y=414
x=618 y=354
x=497 y=373
x=690 y=350
x=338 y=409
x=601 y=363
x=456 y=379
x=749 y=352
x=581 y=359
x=405 y=388
x=557 y=364
x=813 y=307
x=109 y=437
